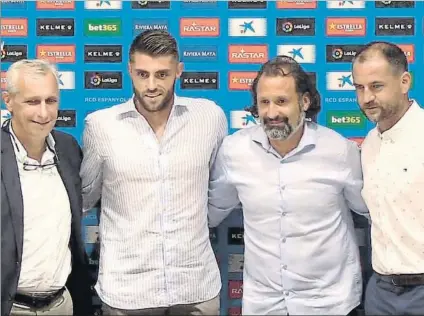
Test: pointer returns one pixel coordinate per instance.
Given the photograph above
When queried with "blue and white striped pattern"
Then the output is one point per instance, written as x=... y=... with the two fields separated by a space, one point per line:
x=154 y=237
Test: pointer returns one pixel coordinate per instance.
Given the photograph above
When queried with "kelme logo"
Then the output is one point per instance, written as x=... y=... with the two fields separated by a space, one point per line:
x=346 y=119
x=102 y=27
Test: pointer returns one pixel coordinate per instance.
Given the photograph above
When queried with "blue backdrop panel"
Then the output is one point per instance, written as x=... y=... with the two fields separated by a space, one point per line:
x=222 y=44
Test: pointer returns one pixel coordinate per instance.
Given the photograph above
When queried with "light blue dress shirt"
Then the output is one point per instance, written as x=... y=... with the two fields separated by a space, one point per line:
x=301 y=253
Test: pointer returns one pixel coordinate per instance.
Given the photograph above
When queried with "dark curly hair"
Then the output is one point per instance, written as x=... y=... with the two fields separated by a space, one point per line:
x=286 y=66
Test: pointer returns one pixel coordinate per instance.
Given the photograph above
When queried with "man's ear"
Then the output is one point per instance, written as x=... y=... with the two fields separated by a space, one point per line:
x=180 y=68
x=7 y=100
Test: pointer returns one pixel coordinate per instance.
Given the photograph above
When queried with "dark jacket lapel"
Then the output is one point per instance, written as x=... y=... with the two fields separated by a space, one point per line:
x=12 y=184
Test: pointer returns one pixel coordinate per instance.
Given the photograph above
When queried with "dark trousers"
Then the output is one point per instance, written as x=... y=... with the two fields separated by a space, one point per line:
x=384 y=298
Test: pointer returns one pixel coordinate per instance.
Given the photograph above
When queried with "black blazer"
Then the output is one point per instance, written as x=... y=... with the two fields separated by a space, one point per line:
x=70 y=156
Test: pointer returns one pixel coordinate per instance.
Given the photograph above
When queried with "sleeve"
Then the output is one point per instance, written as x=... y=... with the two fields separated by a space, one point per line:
x=91 y=168
x=222 y=131
x=354 y=181
x=223 y=196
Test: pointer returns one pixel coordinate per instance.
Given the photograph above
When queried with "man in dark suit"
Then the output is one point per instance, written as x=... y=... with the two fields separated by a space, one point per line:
x=43 y=260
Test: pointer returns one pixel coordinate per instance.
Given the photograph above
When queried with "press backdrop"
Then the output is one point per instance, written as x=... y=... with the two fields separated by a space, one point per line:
x=222 y=44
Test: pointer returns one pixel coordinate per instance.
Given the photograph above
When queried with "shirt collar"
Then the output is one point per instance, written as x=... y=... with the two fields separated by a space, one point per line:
x=129 y=106
x=21 y=149
x=308 y=138
x=406 y=120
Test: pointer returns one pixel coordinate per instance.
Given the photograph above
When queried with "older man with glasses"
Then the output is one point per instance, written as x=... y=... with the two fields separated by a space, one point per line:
x=43 y=261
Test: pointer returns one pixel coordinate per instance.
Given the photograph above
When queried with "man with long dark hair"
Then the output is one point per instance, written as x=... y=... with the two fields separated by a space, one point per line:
x=297 y=183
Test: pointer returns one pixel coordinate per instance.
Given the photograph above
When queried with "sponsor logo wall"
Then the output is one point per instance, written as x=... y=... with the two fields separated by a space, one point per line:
x=222 y=44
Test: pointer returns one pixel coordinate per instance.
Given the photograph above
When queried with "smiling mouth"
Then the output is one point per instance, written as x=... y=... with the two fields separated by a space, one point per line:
x=152 y=96
x=42 y=124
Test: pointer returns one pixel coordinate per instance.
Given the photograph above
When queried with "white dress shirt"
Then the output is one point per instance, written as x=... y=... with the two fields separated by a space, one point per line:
x=301 y=252
x=393 y=166
x=155 y=249
x=46 y=257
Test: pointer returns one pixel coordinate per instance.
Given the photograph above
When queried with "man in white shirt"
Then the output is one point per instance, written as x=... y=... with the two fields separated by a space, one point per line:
x=393 y=167
x=148 y=160
x=297 y=182
x=43 y=261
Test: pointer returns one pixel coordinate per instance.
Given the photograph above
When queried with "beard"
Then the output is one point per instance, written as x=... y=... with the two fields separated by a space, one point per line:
x=376 y=113
x=156 y=104
x=284 y=130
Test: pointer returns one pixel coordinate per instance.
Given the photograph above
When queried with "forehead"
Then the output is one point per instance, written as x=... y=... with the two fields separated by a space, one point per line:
x=372 y=69
x=37 y=85
x=276 y=85
x=149 y=63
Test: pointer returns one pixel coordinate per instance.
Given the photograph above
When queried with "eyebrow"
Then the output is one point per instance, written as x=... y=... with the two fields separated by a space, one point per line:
x=160 y=70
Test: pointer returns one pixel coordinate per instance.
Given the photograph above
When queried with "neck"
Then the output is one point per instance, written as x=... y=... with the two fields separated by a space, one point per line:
x=157 y=120
x=34 y=146
x=283 y=147
x=391 y=121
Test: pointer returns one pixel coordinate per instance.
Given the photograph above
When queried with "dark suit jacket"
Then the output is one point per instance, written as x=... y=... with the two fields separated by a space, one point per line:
x=12 y=211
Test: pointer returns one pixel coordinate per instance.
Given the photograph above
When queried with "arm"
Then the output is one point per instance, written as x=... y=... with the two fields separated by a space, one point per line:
x=91 y=168
x=223 y=196
x=354 y=181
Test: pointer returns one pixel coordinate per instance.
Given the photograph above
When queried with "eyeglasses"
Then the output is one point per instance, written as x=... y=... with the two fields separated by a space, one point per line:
x=29 y=166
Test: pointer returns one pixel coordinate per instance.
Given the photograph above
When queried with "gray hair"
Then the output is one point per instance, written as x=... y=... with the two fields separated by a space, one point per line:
x=31 y=67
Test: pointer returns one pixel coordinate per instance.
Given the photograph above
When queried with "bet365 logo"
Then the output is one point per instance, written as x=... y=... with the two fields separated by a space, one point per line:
x=346 y=119
x=102 y=27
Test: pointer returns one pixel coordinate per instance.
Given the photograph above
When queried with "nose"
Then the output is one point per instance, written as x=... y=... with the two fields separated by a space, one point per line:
x=151 y=83
x=43 y=112
x=272 y=112
x=368 y=96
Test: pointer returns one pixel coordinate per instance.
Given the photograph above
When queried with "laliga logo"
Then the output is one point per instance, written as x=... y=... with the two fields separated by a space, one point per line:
x=3 y=50
x=337 y=53
x=96 y=79
x=287 y=27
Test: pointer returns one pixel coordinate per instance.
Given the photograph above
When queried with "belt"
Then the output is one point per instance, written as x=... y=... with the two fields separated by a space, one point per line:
x=403 y=279
x=37 y=302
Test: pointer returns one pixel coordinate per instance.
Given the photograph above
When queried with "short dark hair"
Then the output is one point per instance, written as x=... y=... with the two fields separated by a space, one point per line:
x=393 y=54
x=286 y=66
x=154 y=43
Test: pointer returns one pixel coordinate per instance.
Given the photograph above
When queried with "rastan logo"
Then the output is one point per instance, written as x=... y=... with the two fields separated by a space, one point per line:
x=197 y=53
x=150 y=4
x=394 y=26
x=55 y=27
x=102 y=53
x=213 y=235
x=247 y=54
x=295 y=26
x=103 y=79
x=199 y=80
x=13 y=53
x=66 y=118
x=394 y=4
x=235 y=289
x=245 y=4
x=141 y=25
x=55 y=5
x=193 y=27
x=341 y=53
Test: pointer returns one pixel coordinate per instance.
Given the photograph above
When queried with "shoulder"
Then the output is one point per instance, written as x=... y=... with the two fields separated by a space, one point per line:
x=201 y=105
x=240 y=140
x=64 y=139
x=99 y=116
x=333 y=140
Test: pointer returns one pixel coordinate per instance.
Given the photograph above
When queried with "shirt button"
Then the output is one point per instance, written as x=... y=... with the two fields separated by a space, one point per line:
x=286 y=293
x=284 y=213
x=284 y=267
x=284 y=239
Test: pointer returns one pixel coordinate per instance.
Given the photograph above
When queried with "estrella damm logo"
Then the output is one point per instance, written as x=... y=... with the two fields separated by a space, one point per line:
x=346 y=119
x=103 y=27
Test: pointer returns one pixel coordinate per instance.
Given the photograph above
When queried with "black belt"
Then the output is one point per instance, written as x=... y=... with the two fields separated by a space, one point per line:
x=403 y=279
x=37 y=302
